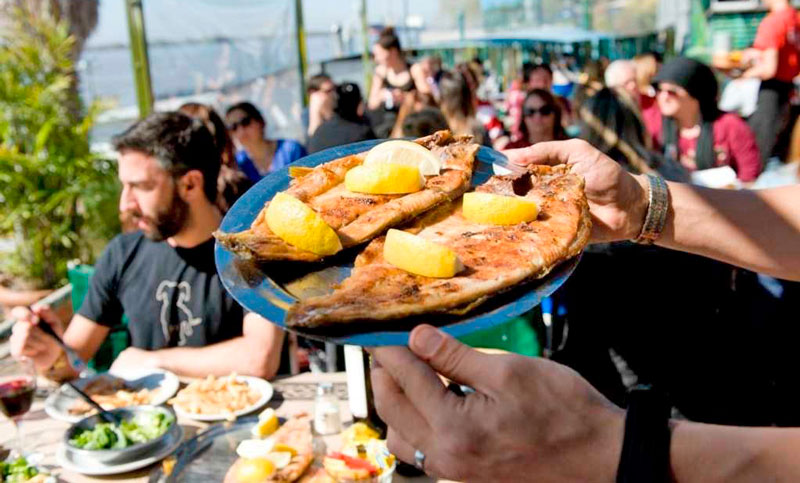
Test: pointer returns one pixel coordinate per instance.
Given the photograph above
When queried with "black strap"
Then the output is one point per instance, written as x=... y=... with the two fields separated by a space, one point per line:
x=645 y=449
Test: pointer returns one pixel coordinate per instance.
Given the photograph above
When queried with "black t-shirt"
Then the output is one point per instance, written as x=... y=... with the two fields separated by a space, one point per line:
x=337 y=131
x=172 y=296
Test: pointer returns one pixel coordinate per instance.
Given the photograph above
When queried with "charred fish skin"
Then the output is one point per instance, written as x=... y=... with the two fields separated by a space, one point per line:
x=496 y=257
x=358 y=218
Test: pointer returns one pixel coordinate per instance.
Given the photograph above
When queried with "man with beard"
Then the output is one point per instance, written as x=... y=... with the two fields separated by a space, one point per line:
x=162 y=276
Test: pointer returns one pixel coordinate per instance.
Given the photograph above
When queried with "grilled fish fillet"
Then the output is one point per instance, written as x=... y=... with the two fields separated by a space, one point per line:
x=296 y=432
x=496 y=257
x=358 y=217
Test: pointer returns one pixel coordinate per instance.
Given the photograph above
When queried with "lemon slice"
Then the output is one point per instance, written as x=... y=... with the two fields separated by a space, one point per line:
x=420 y=256
x=284 y=448
x=384 y=179
x=254 y=470
x=280 y=458
x=359 y=433
x=405 y=152
x=255 y=448
x=299 y=225
x=267 y=424
x=492 y=209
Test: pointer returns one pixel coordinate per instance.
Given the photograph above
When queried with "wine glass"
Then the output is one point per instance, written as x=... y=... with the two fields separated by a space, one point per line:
x=17 y=385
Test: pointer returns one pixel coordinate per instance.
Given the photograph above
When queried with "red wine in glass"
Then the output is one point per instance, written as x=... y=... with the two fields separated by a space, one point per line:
x=17 y=385
x=16 y=396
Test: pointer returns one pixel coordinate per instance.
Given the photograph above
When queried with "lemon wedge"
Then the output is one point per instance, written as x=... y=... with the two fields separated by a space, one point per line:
x=405 y=152
x=280 y=458
x=297 y=224
x=267 y=424
x=384 y=179
x=359 y=433
x=254 y=470
x=492 y=209
x=420 y=256
x=255 y=448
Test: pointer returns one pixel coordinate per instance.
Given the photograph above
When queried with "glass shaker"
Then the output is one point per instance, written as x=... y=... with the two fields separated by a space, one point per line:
x=327 y=419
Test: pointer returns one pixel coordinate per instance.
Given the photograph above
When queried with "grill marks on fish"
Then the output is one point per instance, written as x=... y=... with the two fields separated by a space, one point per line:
x=495 y=257
x=358 y=217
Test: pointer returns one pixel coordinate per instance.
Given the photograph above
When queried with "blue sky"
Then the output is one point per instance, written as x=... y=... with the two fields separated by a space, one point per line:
x=181 y=19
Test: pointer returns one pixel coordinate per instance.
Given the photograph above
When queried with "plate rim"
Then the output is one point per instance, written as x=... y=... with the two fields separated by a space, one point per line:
x=51 y=410
x=105 y=470
x=267 y=393
x=271 y=301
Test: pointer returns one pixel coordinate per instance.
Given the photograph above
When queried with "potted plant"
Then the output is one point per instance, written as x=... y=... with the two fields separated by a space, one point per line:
x=58 y=198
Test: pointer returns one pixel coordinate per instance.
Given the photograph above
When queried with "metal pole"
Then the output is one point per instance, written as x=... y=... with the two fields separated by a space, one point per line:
x=141 y=64
x=587 y=15
x=302 y=60
x=365 y=58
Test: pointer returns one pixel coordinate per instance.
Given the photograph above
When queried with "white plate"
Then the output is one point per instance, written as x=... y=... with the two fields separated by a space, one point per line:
x=100 y=469
x=163 y=385
x=260 y=385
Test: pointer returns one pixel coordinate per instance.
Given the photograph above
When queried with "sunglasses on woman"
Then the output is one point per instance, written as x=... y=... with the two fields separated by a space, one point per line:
x=531 y=111
x=244 y=122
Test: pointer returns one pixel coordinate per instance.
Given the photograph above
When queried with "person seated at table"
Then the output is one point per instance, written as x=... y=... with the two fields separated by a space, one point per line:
x=256 y=155
x=541 y=122
x=162 y=277
x=693 y=130
x=347 y=125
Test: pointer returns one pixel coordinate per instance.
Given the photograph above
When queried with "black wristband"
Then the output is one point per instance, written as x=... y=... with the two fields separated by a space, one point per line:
x=645 y=449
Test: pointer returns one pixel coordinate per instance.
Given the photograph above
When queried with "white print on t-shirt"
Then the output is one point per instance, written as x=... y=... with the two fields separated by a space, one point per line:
x=188 y=322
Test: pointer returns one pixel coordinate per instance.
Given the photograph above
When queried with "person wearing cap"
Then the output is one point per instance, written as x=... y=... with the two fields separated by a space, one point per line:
x=776 y=61
x=693 y=130
x=346 y=125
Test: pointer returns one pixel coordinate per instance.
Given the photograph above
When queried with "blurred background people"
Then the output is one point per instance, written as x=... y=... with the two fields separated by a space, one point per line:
x=541 y=121
x=693 y=130
x=391 y=80
x=321 y=101
x=621 y=74
x=458 y=106
x=256 y=155
x=776 y=63
x=423 y=123
x=231 y=182
x=347 y=123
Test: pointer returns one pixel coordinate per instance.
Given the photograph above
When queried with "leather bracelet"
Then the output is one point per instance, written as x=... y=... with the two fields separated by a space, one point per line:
x=645 y=448
x=657 y=208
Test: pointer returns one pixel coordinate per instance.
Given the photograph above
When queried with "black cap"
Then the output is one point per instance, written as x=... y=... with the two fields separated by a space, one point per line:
x=697 y=78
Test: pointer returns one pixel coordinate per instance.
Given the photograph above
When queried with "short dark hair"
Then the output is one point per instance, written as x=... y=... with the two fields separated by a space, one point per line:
x=249 y=109
x=348 y=98
x=315 y=82
x=528 y=68
x=424 y=122
x=179 y=143
x=388 y=39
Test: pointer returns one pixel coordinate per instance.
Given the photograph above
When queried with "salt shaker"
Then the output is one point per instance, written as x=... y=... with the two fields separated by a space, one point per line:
x=326 y=410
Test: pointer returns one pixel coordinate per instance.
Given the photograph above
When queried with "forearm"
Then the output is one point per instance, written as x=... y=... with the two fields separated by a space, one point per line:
x=757 y=230
x=709 y=453
x=235 y=355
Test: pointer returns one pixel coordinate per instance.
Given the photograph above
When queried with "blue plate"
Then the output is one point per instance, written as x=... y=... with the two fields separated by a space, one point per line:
x=270 y=289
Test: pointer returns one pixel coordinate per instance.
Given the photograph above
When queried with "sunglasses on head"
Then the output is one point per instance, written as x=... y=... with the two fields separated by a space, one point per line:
x=544 y=111
x=244 y=122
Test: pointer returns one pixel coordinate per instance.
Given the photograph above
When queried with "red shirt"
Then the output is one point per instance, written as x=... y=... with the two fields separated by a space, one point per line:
x=734 y=144
x=779 y=30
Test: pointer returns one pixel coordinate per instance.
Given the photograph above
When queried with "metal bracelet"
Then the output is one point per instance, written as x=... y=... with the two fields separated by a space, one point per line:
x=658 y=206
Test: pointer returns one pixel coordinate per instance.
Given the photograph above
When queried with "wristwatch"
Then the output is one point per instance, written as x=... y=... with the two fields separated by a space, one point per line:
x=657 y=208
x=645 y=447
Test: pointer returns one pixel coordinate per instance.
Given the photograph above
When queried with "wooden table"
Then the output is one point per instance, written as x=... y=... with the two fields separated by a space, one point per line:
x=292 y=395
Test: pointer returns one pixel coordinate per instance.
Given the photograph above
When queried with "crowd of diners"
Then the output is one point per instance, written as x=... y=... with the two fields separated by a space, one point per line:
x=697 y=317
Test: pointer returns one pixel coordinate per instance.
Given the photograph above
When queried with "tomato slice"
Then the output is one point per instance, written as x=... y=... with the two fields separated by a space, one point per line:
x=354 y=463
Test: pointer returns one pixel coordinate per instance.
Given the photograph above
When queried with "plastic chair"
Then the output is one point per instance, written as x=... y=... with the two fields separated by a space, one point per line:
x=517 y=335
x=118 y=338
